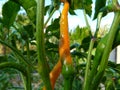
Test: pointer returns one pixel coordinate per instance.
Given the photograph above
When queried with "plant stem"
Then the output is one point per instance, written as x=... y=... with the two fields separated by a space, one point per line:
x=98 y=23
x=68 y=83
x=106 y=52
x=23 y=80
x=42 y=63
x=51 y=14
x=27 y=82
x=28 y=51
x=87 y=71
x=68 y=74
x=88 y=65
x=28 y=79
x=87 y=23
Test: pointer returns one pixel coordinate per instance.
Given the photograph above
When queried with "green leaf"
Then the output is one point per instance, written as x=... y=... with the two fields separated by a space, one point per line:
x=86 y=43
x=29 y=6
x=72 y=12
x=79 y=34
x=99 y=4
x=82 y=4
x=30 y=31
x=46 y=9
x=9 y=12
x=53 y=29
x=56 y=3
x=76 y=4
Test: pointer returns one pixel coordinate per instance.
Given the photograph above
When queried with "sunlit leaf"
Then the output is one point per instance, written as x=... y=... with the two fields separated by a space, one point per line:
x=29 y=6
x=82 y=4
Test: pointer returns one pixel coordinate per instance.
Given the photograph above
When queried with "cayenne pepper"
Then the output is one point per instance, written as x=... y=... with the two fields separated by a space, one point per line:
x=64 y=47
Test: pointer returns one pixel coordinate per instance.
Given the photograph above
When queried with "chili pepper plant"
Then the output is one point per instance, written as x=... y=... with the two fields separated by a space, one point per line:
x=51 y=57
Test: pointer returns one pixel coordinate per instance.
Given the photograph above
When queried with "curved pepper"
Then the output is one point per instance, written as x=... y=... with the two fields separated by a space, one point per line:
x=64 y=47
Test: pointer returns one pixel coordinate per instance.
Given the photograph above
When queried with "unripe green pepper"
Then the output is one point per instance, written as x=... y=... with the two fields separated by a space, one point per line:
x=68 y=74
x=67 y=70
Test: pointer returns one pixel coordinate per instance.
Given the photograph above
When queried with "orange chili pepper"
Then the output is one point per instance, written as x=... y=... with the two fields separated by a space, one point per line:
x=64 y=48
x=54 y=74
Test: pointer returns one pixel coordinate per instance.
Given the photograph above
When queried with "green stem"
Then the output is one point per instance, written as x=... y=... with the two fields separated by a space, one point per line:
x=23 y=80
x=68 y=74
x=28 y=79
x=27 y=82
x=42 y=62
x=49 y=17
x=98 y=54
x=28 y=51
x=19 y=68
x=87 y=23
x=88 y=65
x=87 y=71
x=8 y=36
x=106 y=52
x=98 y=24
x=68 y=84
